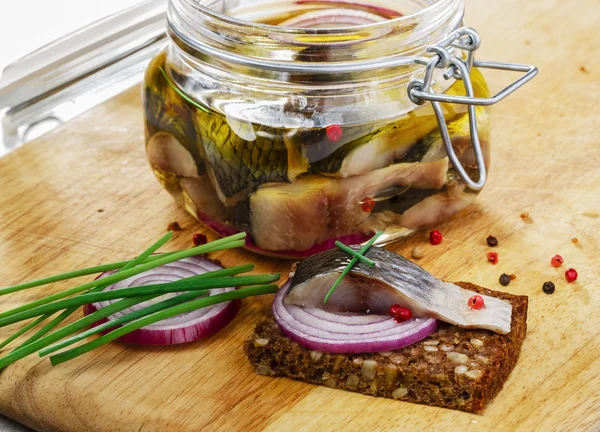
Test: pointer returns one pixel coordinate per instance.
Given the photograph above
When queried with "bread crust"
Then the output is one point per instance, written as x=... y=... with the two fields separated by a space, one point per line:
x=416 y=373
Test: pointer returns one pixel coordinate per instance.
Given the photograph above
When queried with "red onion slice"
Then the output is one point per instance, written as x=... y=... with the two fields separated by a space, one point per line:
x=327 y=332
x=390 y=327
x=350 y=319
x=182 y=328
x=380 y=11
x=331 y=18
x=352 y=325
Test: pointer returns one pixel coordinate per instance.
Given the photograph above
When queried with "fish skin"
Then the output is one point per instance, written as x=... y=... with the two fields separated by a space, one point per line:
x=238 y=165
x=394 y=280
x=166 y=111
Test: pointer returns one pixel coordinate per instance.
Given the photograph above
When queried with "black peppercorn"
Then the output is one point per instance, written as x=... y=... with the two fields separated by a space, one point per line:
x=548 y=287
x=492 y=241
x=504 y=279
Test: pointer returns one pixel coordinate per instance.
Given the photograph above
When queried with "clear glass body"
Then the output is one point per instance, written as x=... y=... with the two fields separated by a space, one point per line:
x=247 y=138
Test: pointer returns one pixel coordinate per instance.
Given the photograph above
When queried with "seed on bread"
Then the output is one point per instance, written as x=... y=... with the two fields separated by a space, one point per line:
x=474 y=374
x=391 y=375
x=459 y=370
x=458 y=357
x=476 y=342
x=397 y=358
x=369 y=369
x=352 y=382
x=330 y=382
x=316 y=355
x=400 y=392
x=260 y=342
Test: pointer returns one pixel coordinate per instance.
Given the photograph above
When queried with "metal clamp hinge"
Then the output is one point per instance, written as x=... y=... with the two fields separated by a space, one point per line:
x=420 y=91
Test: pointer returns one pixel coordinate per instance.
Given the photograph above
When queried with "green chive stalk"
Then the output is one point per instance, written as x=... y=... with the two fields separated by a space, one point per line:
x=364 y=249
x=159 y=316
x=354 y=253
x=23 y=330
x=48 y=327
x=75 y=274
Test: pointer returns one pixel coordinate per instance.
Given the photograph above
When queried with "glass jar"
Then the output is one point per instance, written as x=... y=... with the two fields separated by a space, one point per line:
x=291 y=119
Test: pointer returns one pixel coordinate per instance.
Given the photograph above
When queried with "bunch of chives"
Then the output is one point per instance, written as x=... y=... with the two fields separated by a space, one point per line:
x=71 y=299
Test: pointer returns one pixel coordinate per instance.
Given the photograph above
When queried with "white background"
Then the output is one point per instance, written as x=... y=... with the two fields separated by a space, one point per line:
x=26 y=25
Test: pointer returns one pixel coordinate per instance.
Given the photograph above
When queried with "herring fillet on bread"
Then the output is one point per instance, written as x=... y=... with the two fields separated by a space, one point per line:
x=453 y=367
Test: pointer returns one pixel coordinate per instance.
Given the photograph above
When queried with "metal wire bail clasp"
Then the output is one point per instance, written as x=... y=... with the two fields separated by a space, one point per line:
x=420 y=91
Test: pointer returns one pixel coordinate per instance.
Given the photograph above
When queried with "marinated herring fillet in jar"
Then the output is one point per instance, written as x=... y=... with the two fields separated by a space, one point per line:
x=242 y=158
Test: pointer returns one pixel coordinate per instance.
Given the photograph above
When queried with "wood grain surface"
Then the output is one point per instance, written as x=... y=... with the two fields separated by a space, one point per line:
x=84 y=195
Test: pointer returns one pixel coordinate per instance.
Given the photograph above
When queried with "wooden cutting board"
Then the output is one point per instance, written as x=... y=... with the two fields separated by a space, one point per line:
x=84 y=195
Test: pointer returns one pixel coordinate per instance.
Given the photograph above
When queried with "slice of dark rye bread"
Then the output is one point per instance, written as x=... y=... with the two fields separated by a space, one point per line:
x=453 y=367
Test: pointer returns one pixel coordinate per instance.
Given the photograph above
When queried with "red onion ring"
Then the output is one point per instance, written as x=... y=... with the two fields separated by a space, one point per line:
x=350 y=319
x=335 y=333
x=381 y=11
x=306 y=322
x=330 y=17
x=179 y=329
